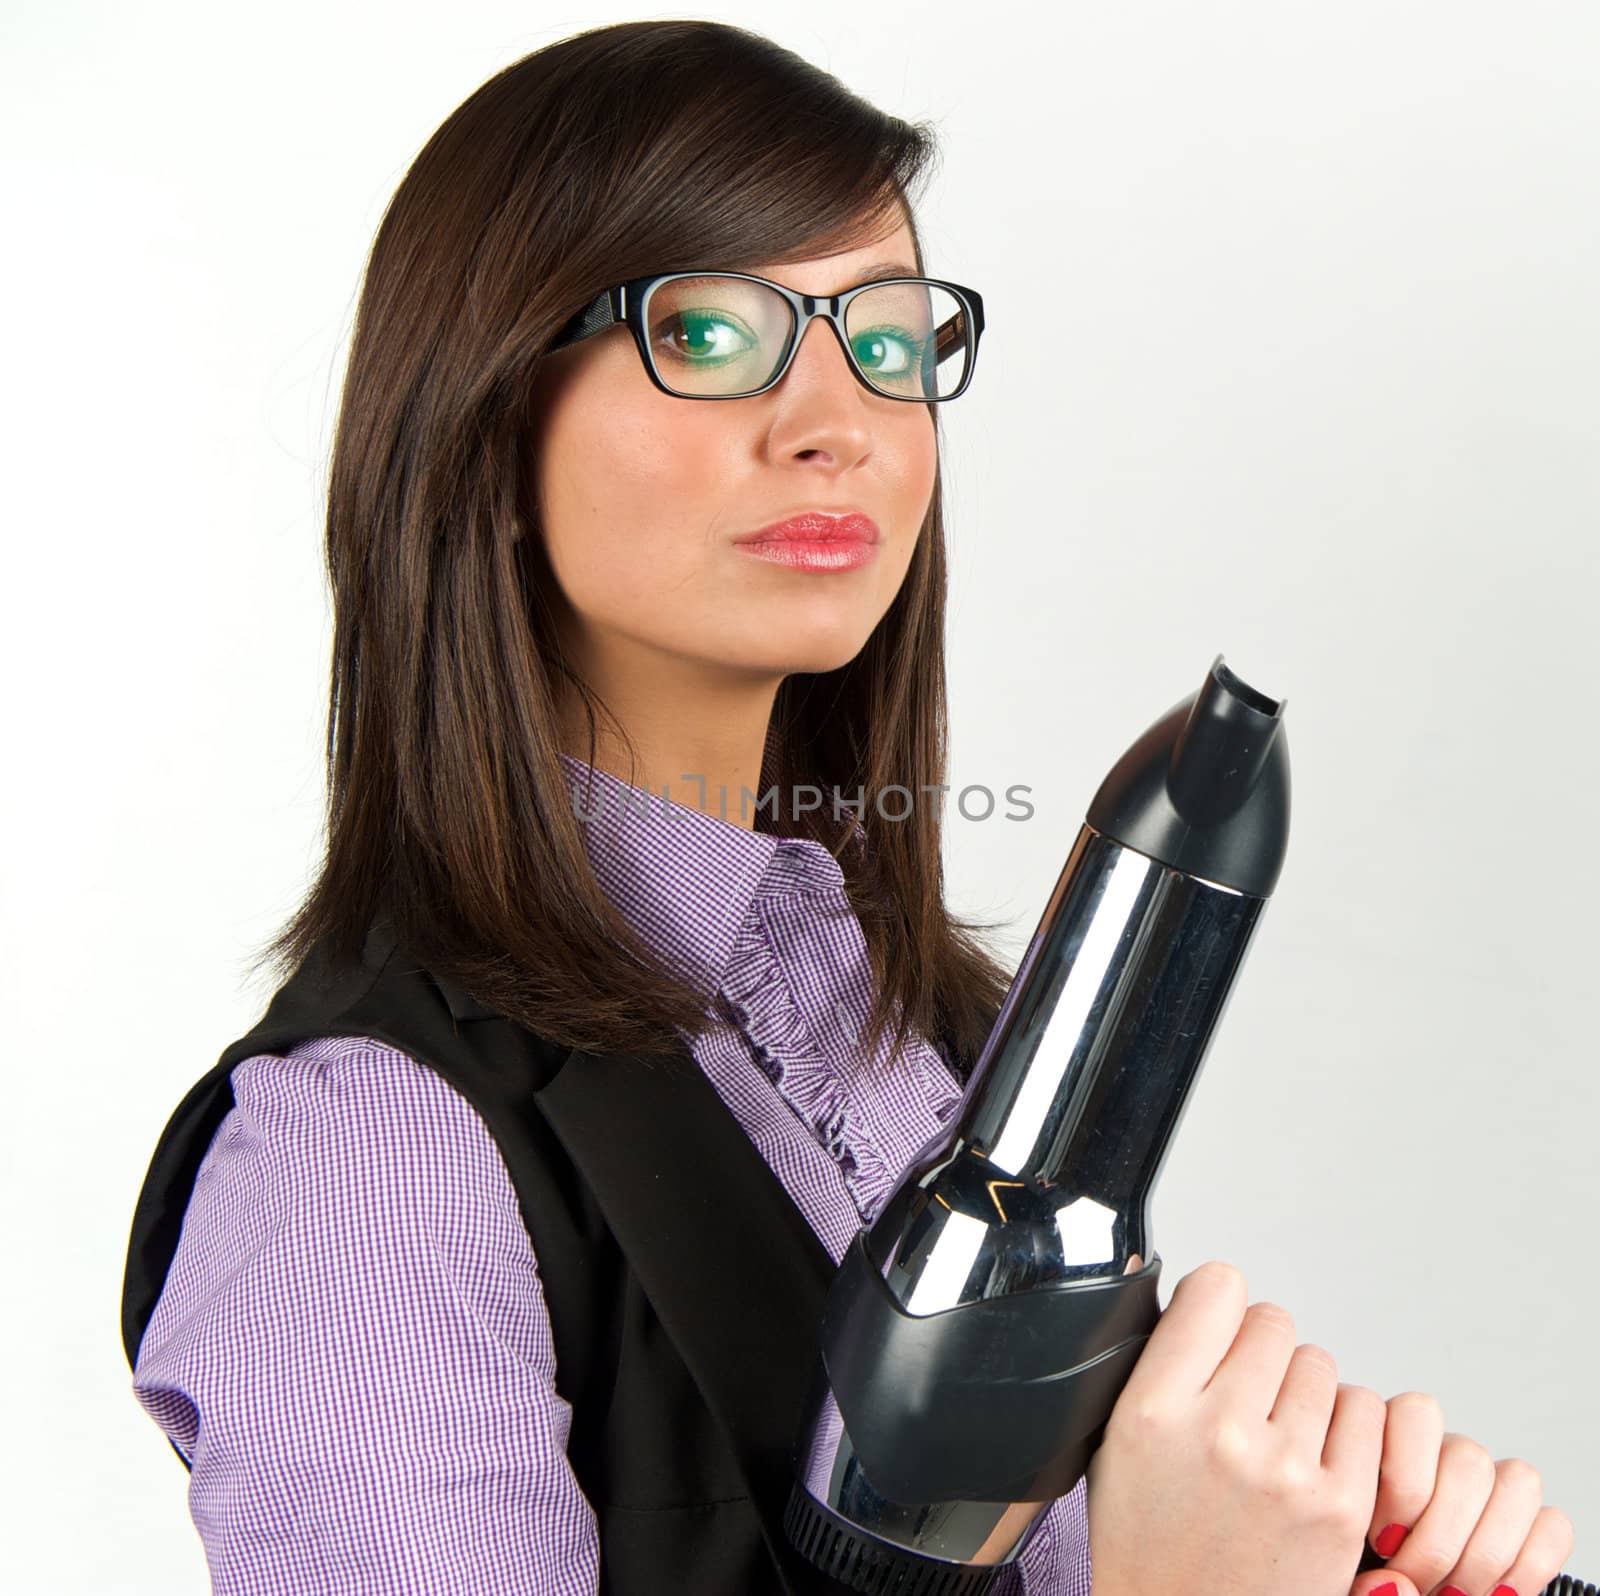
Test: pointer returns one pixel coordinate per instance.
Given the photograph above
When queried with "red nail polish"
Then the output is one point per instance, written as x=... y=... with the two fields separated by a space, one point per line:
x=1503 y=1590
x=1388 y=1588
x=1388 y=1543
x=1452 y=1590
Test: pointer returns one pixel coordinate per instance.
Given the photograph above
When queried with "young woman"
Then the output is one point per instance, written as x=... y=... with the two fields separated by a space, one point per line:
x=605 y=767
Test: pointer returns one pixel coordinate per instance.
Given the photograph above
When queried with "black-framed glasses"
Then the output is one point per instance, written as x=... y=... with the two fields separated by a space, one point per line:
x=729 y=335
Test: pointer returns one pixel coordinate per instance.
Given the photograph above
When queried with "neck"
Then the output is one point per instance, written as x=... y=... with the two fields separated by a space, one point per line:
x=696 y=740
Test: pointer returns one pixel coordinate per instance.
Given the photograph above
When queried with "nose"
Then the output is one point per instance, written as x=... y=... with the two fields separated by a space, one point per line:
x=813 y=363
x=822 y=412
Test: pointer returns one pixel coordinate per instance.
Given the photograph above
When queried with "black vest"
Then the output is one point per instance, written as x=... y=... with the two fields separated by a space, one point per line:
x=685 y=1289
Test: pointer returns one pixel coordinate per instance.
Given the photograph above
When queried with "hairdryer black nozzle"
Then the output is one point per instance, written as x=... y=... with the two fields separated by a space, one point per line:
x=1206 y=789
x=1222 y=748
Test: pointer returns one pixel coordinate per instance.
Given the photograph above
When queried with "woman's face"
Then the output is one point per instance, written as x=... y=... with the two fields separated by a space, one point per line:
x=642 y=495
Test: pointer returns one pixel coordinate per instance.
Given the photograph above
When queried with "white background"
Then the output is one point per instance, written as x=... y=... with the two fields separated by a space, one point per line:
x=1293 y=355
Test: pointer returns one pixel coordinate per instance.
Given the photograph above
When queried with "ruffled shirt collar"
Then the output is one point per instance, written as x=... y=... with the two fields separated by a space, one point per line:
x=686 y=879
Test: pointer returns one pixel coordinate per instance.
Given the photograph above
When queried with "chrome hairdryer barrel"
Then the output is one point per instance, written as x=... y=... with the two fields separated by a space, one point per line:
x=979 y=1332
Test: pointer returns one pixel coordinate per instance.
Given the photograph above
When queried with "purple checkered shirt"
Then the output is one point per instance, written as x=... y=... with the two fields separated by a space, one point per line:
x=352 y=1347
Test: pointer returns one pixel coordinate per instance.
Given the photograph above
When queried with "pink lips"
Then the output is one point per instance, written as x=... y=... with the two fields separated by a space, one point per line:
x=816 y=541
x=816 y=526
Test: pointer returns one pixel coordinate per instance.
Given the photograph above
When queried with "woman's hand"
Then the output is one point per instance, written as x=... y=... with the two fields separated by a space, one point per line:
x=1234 y=1460
x=1464 y=1524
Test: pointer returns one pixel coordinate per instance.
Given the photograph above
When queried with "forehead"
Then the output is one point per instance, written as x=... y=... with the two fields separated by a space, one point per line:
x=881 y=241
x=894 y=256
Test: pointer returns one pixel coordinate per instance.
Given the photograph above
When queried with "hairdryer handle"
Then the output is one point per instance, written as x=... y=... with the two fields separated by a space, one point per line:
x=1002 y=1399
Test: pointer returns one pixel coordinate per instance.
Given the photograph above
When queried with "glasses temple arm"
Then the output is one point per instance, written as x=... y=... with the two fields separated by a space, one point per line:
x=595 y=317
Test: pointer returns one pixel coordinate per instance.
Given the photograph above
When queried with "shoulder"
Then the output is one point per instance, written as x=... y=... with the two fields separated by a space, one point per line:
x=348 y=1147
x=363 y=1095
x=352 y=1119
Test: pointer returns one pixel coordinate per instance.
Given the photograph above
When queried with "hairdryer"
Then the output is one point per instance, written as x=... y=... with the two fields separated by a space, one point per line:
x=979 y=1332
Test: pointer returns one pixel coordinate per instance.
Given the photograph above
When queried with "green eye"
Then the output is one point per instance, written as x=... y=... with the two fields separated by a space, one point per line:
x=888 y=352
x=700 y=338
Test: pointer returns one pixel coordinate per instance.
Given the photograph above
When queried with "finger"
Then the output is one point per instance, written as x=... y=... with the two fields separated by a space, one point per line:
x=1191 y=1336
x=1544 y=1553
x=1501 y=1531
x=1305 y=1400
x=1249 y=1378
x=1380 y=1582
x=1412 y=1436
x=1354 y=1446
x=1466 y=1478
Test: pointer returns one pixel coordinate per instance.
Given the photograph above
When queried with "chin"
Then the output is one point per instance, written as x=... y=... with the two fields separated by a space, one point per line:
x=812 y=656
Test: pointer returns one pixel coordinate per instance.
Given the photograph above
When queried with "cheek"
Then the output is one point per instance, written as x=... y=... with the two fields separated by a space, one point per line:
x=916 y=469
x=923 y=456
x=626 y=487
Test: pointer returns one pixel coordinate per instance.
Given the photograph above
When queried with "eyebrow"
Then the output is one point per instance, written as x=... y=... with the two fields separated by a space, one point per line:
x=877 y=273
x=888 y=269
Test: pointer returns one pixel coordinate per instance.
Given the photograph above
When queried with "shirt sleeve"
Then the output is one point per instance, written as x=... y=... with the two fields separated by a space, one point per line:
x=352 y=1348
x=1056 y=1561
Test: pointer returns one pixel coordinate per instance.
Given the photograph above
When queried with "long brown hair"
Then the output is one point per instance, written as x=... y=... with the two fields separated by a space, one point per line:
x=639 y=147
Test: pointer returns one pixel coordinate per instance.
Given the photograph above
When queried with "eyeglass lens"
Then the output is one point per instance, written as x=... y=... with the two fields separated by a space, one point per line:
x=724 y=336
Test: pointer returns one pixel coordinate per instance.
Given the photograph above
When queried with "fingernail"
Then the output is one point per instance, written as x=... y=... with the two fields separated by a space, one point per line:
x=1452 y=1590
x=1388 y=1543
x=1388 y=1588
x=1503 y=1590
